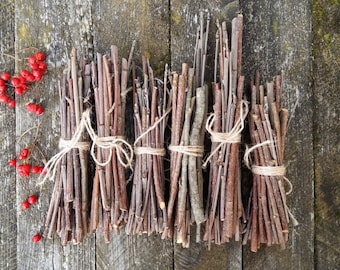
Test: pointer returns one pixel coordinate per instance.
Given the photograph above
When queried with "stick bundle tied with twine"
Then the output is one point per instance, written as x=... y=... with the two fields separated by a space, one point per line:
x=74 y=209
x=224 y=208
x=69 y=205
x=189 y=107
x=147 y=212
x=109 y=206
x=268 y=213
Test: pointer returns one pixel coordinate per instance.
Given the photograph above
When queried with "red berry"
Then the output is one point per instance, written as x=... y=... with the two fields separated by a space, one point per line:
x=31 y=59
x=31 y=107
x=18 y=90
x=38 y=78
x=5 y=76
x=40 y=56
x=2 y=82
x=36 y=238
x=25 y=205
x=22 y=79
x=15 y=81
x=30 y=77
x=11 y=103
x=24 y=86
x=24 y=73
x=39 y=110
x=42 y=66
x=37 y=72
x=22 y=157
x=4 y=98
x=33 y=66
x=24 y=169
x=37 y=169
x=23 y=153
x=32 y=199
x=12 y=162
x=3 y=89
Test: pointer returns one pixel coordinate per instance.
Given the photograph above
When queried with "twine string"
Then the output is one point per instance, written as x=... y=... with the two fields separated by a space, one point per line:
x=65 y=146
x=190 y=150
x=223 y=138
x=122 y=147
x=269 y=171
x=140 y=150
x=149 y=150
x=68 y=143
x=152 y=127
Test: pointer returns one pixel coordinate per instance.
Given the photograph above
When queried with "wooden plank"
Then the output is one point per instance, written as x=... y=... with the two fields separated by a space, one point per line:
x=53 y=27
x=8 y=229
x=326 y=70
x=184 y=22
x=119 y=23
x=275 y=41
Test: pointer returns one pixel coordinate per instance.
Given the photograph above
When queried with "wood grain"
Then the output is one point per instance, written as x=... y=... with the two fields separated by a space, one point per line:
x=326 y=70
x=120 y=22
x=8 y=228
x=53 y=27
x=276 y=43
x=277 y=39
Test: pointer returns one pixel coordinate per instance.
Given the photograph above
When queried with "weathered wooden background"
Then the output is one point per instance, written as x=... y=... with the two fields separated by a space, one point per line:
x=298 y=39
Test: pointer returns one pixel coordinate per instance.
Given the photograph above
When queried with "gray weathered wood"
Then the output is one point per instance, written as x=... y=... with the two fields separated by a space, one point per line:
x=53 y=27
x=119 y=23
x=326 y=70
x=8 y=229
x=277 y=39
x=276 y=42
x=184 y=22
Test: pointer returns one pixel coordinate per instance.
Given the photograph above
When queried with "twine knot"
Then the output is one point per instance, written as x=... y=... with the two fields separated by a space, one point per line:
x=223 y=138
x=122 y=147
x=279 y=171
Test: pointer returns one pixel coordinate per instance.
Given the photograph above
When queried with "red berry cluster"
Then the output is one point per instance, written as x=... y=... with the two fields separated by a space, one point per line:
x=11 y=86
x=20 y=83
x=32 y=199
x=35 y=108
x=24 y=169
x=26 y=204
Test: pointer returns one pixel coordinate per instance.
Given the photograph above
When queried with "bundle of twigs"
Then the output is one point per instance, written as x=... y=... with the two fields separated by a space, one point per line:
x=268 y=214
x=189 y=107
x=68 y=211
x=109 y=206
x=147 y=212
x=224 y=209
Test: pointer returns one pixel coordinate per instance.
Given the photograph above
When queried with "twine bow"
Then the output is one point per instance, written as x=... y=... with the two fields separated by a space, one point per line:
x=122 y=147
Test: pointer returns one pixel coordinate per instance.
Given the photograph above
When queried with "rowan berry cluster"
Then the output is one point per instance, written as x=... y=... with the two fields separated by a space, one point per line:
x=19 y=84
x=24 y=169
x=32 y=199
x=11 y=86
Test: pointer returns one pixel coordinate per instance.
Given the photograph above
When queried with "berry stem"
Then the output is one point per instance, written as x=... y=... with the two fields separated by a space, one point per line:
x=28 y=130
